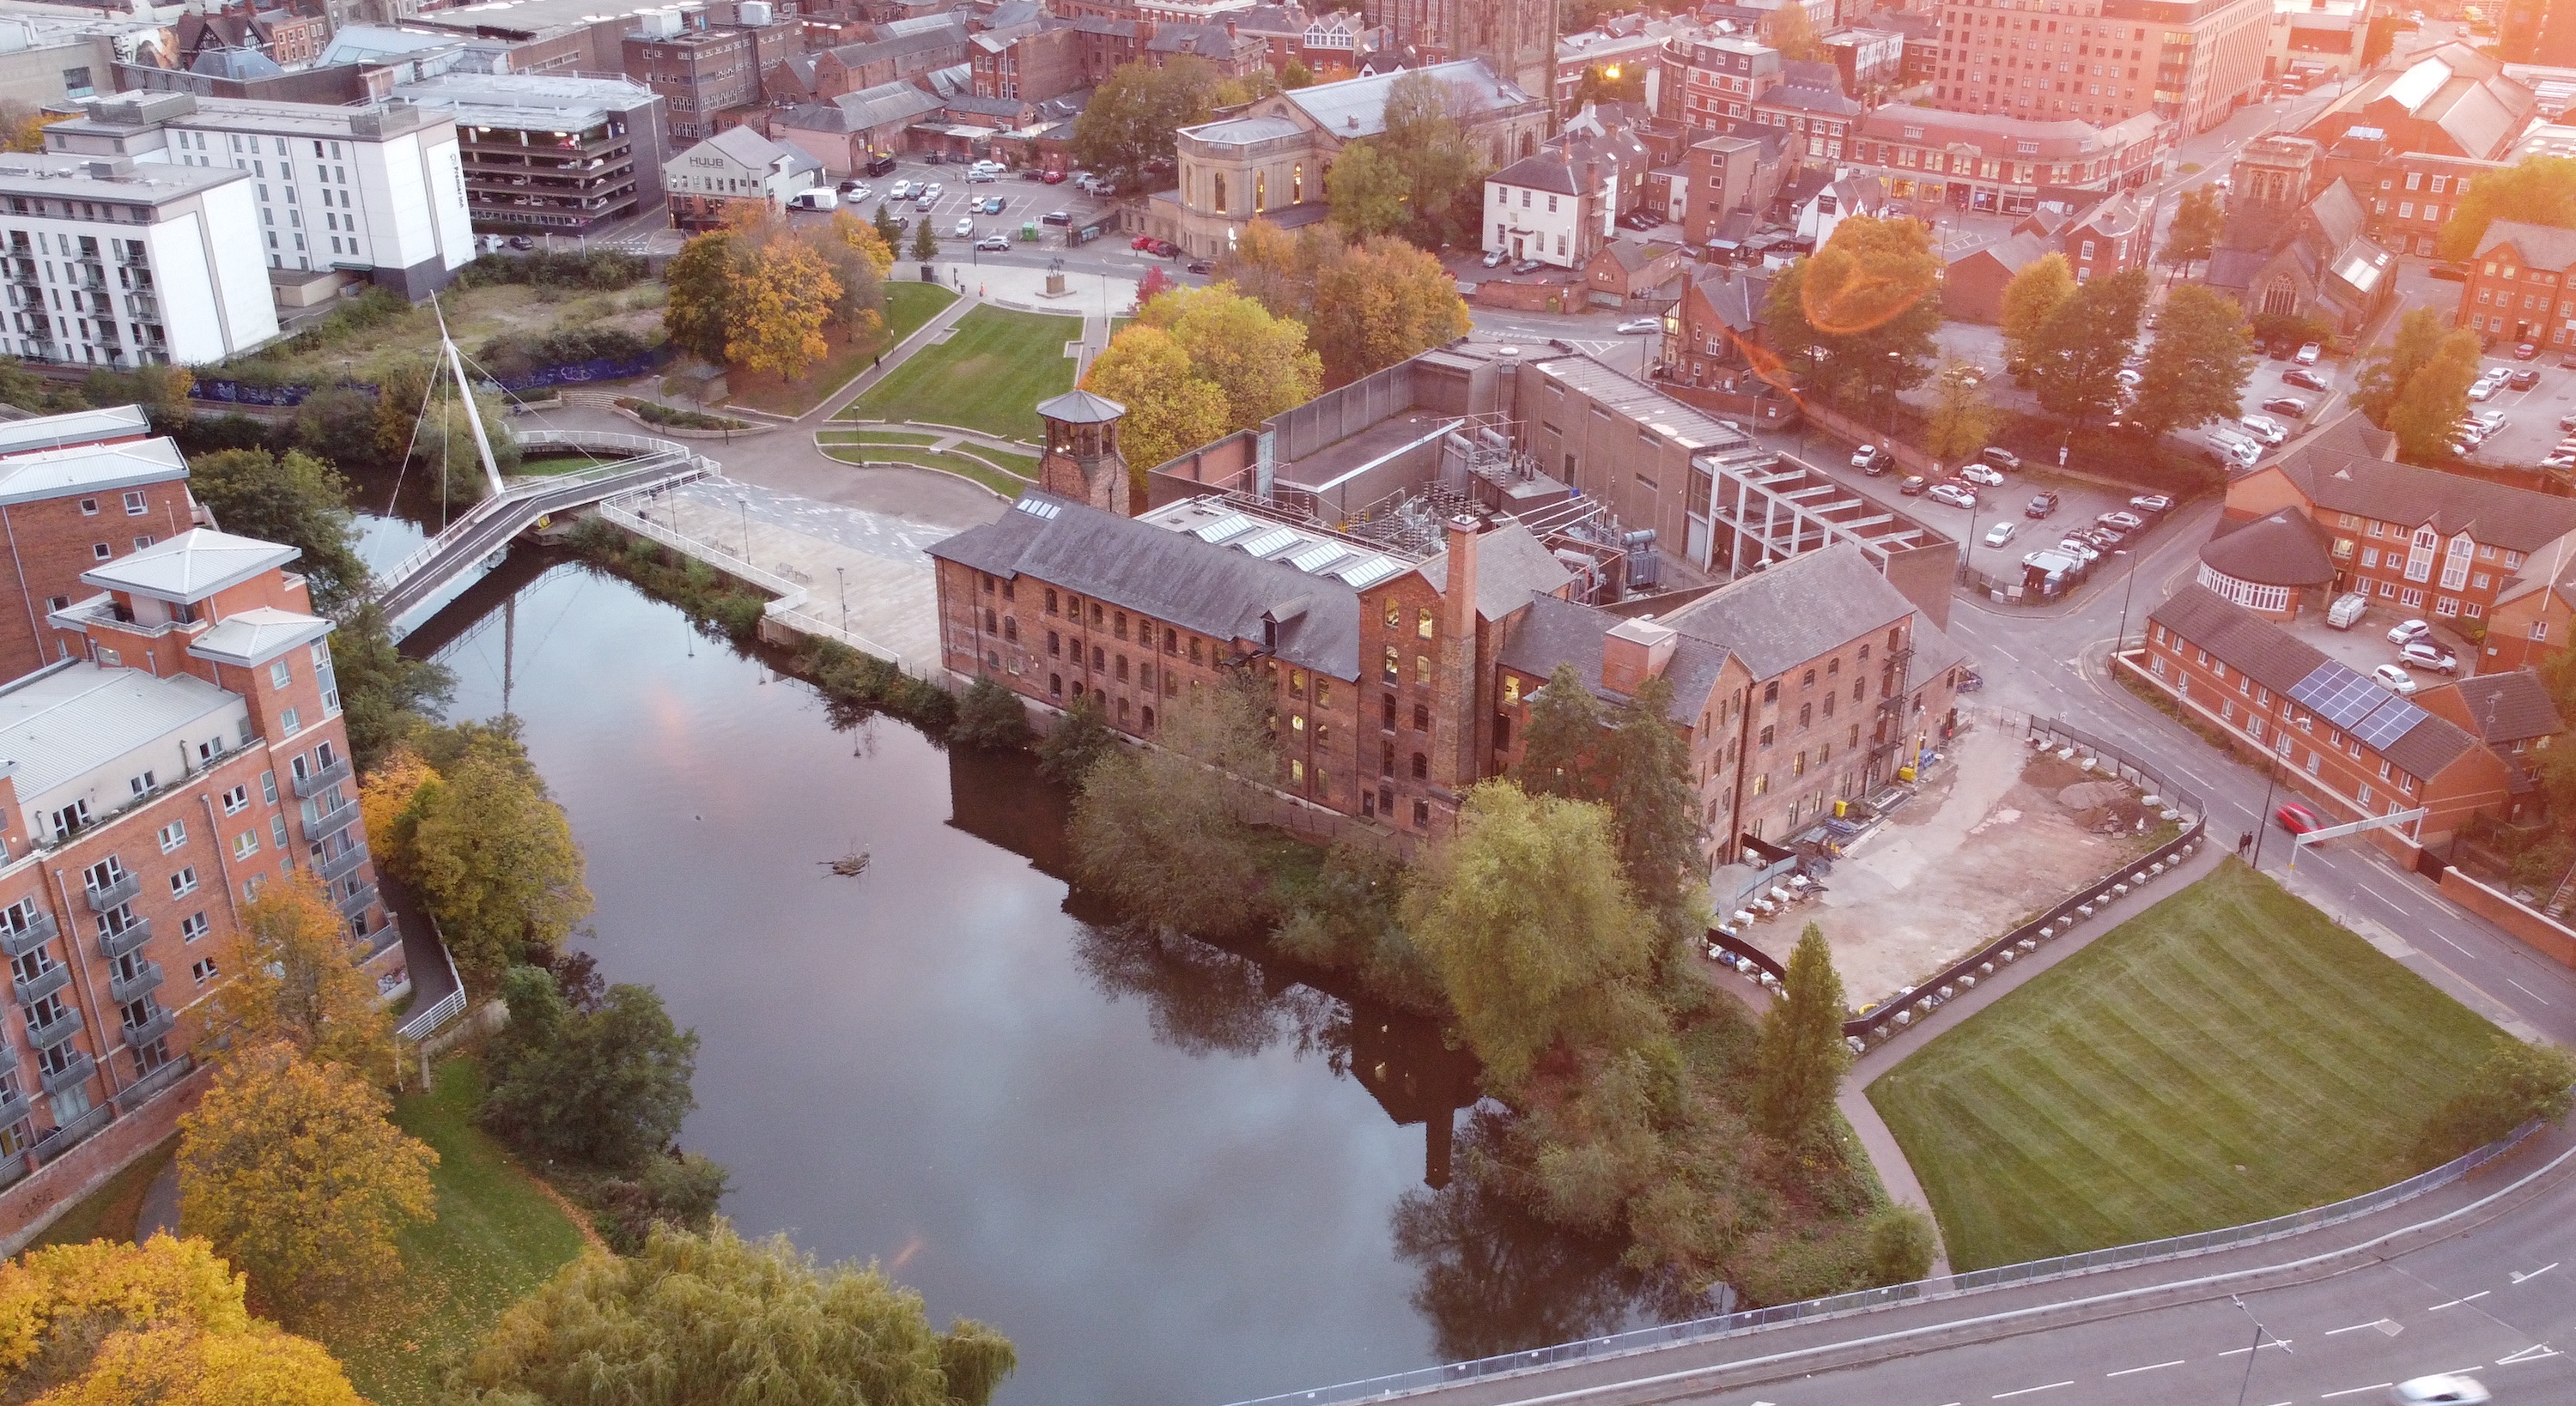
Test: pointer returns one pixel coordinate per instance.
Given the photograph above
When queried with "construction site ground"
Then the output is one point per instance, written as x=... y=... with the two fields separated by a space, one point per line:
x=1997 y=838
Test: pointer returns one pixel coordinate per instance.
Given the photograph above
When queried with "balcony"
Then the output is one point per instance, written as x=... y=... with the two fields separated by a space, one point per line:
x=121 y=890
x=54 y=1032
x=137 y=1036
x=359 y=902
x=343 y=864
x=309 y=786
x=112 y=945
x=145 y=1089
x=147 y=978
x=14 y=1108
x=73 y=1133
x=331 y=823
x=42 y=984
x=18 y=942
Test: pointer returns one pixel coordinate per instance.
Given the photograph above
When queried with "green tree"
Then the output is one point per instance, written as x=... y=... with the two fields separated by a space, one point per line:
x=1561 y=748
x=1260 y=363
x=697 y=316
x=1962 y=422
x=292 y=1171
x=1654 y=810
x=1132 y=119
x=385 y=695
x=1799 y=1060
x=2030 y=300
x=1380 y=302
x=1167 y=832
x=718 y=1320
x=337 y=424
x=2197 y=367
x=298 y=501
x=2537 y=190
x=990 y=718
x=492 y=855
x=1295 y=76
x=2194 y=232
x=608 y=1087
x=2084 y=344
x=2515 y=1084
x=2384 y=376
x=1369 y=192
x=682 y=1191
x=780 y=301
x=2435 y=398
x=1792 y=31
x=1533 y=934
x=1855 y=319
x=889 y=226
x=1902 y=1242
x=293 y=983
x=1444 y=170
x=925 y=242
x=1078 y=741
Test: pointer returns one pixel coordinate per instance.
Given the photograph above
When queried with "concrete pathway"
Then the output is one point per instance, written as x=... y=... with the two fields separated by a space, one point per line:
x=160 y=1205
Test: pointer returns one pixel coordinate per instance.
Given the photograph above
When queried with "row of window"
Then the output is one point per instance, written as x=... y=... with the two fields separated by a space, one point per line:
x=2262 y=704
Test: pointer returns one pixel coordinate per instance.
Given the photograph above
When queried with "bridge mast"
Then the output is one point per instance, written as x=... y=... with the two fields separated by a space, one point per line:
x=465 y=388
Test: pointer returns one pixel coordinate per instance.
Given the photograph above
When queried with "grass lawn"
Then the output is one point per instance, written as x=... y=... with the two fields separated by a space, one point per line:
x=497 y=1236
x=1005 y=484
x=2227 y=1055
x=109 y=1213
x=557 y=463
x=1012 y=360
x=1025 y=465
x=908 y=305
x=875 y=437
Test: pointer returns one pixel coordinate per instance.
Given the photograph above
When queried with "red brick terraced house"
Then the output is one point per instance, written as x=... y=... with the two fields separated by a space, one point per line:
x=188 y=749
x=2347 y=744
x=2512 y=714
x=2519 y=287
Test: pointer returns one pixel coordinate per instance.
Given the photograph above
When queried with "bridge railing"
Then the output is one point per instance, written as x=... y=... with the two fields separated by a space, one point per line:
x=640 y=453
x=1723 y=1325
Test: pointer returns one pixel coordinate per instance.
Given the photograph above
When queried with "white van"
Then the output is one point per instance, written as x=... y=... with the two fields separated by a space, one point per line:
x=2347 y=610
x=819 y=198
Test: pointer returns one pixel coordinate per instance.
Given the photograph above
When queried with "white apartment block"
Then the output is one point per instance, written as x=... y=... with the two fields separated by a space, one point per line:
x=377 y=191
x=115 y=263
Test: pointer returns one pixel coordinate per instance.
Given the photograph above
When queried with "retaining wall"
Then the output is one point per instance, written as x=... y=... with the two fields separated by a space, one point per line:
x=36 y=1202
x=2535 y=929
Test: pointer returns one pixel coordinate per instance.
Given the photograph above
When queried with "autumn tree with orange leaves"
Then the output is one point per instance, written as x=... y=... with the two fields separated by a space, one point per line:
x=782 y=298
x=1853 y=322
x=294 y=982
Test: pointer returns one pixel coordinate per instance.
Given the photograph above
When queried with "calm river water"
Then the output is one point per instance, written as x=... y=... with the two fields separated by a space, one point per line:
x=1173 y=1176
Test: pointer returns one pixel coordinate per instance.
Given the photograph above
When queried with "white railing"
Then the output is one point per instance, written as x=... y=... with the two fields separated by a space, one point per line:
x=424 y=1023
x=788 y=608
x=644 y=453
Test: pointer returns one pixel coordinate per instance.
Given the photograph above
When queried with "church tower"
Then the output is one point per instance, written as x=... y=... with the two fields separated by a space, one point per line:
x=1082 y=461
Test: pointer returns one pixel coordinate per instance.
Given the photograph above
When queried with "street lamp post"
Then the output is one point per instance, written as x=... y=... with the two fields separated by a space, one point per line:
x=745 y=501
x=1894 y=360
x=2121 y=640
x=844 y=573
x=2262 y=818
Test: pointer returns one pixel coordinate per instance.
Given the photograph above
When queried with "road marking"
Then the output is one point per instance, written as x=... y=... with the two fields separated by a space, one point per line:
x=2544 y=1269
x=2052 y=1386
x=2482 y=1293
x=2133 y=1371
x=2518 y=986
x=2356 y=1391
x=2533 y=1353
x=2281 y=1343
x=2380 y=1323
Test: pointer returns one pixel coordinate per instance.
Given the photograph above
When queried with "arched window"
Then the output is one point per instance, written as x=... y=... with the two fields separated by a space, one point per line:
x=1421 y=767
x=1055 y=685
x=2281 y=297
x=1297 y=184
x=1011 y=631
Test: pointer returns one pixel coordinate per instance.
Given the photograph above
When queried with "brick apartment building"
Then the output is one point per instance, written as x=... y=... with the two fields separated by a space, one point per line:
x=2518 y=287
x=188 y=749
x=2102 y=61
x=2336 y=737
x=65 y=511
x=2418 y=539
x=2512 y=714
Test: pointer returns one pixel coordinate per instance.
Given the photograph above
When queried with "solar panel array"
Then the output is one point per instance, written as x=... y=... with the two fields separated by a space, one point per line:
x=2356 y=704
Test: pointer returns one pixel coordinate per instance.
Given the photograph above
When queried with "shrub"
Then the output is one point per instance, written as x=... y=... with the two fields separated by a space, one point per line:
x=990 y=717
x=682 y=1191
x=2519 y=1082
x=655 y=413
x=859 y=686
x=512 y=355
x=597 y=268
x=1080 y=738
x=1900 y=1245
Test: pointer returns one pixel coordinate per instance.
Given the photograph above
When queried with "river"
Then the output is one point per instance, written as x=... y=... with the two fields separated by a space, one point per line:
x=1174 y=1176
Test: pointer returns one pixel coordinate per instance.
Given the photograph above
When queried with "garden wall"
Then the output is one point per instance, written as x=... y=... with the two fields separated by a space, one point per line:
x=36 y=1202
x=2536 y=930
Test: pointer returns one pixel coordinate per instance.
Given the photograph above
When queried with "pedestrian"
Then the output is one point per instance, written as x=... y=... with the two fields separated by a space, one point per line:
x=880 y=363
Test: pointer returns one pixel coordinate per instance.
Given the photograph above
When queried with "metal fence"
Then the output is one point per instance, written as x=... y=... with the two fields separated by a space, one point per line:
x=425 y=1022
x=1839 y=1305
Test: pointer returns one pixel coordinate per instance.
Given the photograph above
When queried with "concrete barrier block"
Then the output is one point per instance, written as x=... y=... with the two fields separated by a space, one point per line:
x=1854 y=1042
x=1905 y=1017
x=2084 y=910
x=2011 y=952
x=1968 y=982
x=2027 y=945
x=1985 y=969
x=1947 y=992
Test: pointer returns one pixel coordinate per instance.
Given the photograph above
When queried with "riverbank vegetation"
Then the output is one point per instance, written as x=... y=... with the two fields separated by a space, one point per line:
x=1555 y=931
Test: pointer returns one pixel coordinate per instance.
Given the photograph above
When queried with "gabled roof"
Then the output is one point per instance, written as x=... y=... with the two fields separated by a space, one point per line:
x=191 y=566
x=1356 y=107
x=1554 y=632
x=2280 y=661
x=2506 y=708
x=73 y=427
x=1175 y=576
x=2541 y=246
x=2284 y=549
x=1795 y=610
x=1737 y=296
x=2516 y=519
x=1800 y=97
x=1548 y=168
x=252 y=637
x=746 y=147
x=86 y=468
x=2014 y=252
x=1511 y=567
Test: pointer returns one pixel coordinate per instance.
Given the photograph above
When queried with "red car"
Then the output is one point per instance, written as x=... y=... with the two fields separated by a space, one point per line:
x=1143 y=241
x=2526 y=351
x=2297 y=819
x=1054 y=178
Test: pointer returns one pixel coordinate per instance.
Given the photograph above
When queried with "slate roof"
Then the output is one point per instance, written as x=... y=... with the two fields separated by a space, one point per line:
x=2278 y=660
x=1169 y=575
x=1356 y=107
x=747 y=147
x=2352 y=433
x=1546 y=169
x=2014 y=251
x=1777 y=619
x=1737 y=296
x=2284 y=549
x=2509 y=708
x=1802 y=98
x=191 y=566
x=2541 y=246
x=1557 y=632
x=2516 y=519
x=1081 y=408
x=1191 y=39
x=1511 y=567
x=2552 y=568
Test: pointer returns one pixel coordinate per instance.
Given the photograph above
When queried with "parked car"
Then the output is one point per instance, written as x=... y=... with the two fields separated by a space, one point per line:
x=2308 y=354
x=994 y=205
x=1056 y=217
x=2559 y=459
x=2151 y=503
x=1526 y=267
x=1641 y=219
x=2103 y=537
x=2393 y=678
x=982 y=177
x=1980 y=475
x=2424 y=654
x=2267 y=430
x=965 y=228
x=1914 y=485
x=2526 y=351
x=994 y=244
x=2522 y=379
x=1868 y=459
x=900 y=190
x=2000 y=458
x=878 y=166
x=2080 y=549
x=1032 y=173
x=1141 y=242
x=1953 y=494
x=522 y=242
x=2488 y=420
x=2130 y=377
x=1635 y=325
x=1493 y=258
x=2304 y=378
x=2121 y=521
x=852 y=192
x=2440 y=1391
x=2485 y=389
x=2408 y=633
x=2040 y=505
x=933 y=191
x=2567 y=421
x=2001 y=534
x=1054 y=178
x=1201 y=266
x=2296 y=818
x=2289 y=405
x=2452 y=273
